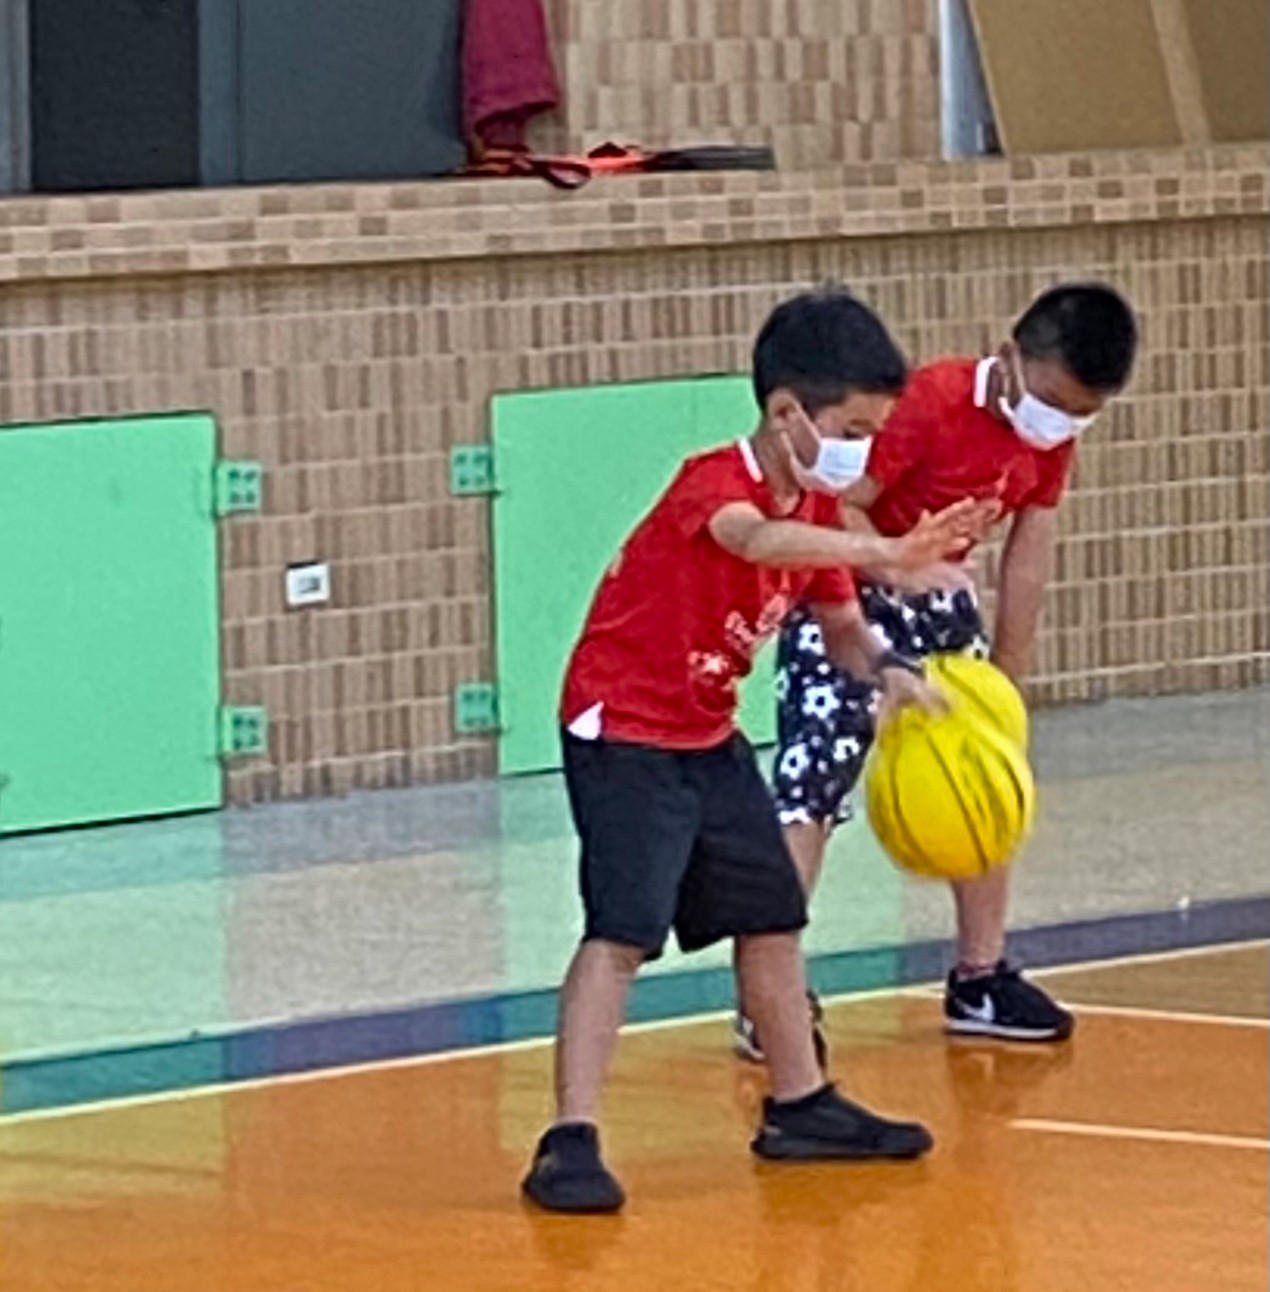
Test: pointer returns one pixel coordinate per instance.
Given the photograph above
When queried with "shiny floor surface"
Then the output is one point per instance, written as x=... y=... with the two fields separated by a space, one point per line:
x=1133 y=1159
x=208 y=926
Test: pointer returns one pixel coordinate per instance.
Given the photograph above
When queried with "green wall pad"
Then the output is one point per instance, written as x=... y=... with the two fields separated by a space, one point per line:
x=577 y=469
x=109 y=621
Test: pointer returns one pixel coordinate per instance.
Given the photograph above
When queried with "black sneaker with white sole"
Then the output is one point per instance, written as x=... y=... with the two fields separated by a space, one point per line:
x=1005 y=1005
x=826 y=1127
x=568 y=1173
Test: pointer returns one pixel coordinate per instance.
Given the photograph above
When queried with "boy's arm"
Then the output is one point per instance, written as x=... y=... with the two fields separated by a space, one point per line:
x=851 y=646
x=743 y=530
x=1027 y=564
x=940 y=575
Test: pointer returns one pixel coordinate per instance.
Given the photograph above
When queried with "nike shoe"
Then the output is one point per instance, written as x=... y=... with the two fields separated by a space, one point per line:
x=745 y=1039
x=745 y=1042
x=1005 y=1005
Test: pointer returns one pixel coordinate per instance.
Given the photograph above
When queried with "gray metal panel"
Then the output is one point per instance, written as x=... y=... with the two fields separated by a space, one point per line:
x=336 y=90
x=218 y=92
x=15 y=126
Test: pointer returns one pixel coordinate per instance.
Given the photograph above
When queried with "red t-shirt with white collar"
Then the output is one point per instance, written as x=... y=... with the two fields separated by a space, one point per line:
x=678 y=619
x=942 y=444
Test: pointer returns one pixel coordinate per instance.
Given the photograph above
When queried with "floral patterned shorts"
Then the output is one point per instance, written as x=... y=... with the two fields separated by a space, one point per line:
x=825 y=716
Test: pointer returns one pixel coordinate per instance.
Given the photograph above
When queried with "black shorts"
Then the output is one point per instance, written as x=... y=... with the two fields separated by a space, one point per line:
x=682 y=840
x=824 y=717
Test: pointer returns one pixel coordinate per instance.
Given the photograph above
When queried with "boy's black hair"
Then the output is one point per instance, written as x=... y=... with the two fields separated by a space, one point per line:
x=1087 y=327
x=824 y=345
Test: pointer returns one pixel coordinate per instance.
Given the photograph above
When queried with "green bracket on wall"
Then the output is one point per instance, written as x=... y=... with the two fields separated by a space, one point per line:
x=239 y=488
x=244 y=731
x=472 y=470
x=476 y=708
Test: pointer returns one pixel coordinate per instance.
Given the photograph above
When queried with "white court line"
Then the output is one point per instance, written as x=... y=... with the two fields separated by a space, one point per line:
x=1171 y=1016
x=1095 y=1130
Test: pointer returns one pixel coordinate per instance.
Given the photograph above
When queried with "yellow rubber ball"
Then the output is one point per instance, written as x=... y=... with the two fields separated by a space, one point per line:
x=948 y=795
x=979 y=689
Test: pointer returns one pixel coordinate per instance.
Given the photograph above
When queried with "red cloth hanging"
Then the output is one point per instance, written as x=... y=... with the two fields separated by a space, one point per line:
x=508 y=73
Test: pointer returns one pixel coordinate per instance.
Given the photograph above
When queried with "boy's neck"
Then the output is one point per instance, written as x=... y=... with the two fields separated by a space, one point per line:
x=773 y=462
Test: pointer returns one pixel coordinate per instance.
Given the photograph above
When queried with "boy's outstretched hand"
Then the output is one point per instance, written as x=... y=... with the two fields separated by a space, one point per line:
x=901 y=690
x=946 y=533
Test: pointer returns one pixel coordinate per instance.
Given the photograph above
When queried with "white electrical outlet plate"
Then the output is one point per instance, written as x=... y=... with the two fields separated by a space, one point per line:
x=308 y=584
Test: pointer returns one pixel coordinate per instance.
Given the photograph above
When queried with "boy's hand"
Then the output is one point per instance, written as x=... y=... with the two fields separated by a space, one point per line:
x=901 y=689
x=946 y=533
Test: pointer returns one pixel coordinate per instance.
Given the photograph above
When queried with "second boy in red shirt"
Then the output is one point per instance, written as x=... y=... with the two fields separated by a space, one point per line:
x=1002 y=428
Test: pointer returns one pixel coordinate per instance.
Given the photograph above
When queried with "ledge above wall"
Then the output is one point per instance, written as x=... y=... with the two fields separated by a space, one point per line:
x=213 y=231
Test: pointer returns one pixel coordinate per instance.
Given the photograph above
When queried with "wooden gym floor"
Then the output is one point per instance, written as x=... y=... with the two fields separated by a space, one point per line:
x=1132 y=1160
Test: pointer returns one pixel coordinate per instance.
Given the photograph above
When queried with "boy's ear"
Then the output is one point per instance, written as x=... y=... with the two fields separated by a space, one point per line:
x=778 y=402
x=783 y=409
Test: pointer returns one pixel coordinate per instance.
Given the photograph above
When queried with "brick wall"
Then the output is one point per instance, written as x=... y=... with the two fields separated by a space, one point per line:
x=824 y=81
x=349 y=336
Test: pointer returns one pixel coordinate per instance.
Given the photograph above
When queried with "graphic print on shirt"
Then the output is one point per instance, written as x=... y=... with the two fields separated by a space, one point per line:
x=717 y=672
x=677 y=619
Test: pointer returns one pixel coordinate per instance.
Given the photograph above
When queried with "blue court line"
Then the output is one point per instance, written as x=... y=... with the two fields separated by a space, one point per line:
x=315 y=1044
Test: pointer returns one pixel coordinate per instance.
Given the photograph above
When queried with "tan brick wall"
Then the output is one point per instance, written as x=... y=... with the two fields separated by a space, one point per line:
x=349 y=337
x=823 y=81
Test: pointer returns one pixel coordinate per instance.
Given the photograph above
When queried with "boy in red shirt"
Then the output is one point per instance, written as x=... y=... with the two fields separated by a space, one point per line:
x=1006 y=428
x=676 y=823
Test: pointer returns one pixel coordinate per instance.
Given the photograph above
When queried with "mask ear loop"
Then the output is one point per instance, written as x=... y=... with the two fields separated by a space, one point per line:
x=796 y=465
x=1014 y=368
x=808 y=425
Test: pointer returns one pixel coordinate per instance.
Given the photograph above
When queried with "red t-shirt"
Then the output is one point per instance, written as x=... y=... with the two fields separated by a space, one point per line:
x=941 y=445
x=677 y=619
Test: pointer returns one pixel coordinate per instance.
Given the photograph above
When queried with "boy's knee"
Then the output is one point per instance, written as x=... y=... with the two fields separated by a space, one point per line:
x=624 y=958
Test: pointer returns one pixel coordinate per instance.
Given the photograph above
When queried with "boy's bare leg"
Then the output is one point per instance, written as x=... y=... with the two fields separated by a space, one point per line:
x=592 y=1008
x=984 y=996
x=774 y=987
x=981 y=911
x=568 y=1173
x=807 y=842
x=806 y=1119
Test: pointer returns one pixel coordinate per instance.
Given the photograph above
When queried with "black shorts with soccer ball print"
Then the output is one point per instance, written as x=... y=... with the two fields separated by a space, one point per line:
x=825 y=715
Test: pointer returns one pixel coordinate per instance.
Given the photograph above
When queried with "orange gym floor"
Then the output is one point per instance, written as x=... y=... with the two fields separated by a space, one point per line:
x=1132 y=1160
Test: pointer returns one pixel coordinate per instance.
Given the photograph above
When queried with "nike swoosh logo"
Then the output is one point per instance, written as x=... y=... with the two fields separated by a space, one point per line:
x=985 y=1013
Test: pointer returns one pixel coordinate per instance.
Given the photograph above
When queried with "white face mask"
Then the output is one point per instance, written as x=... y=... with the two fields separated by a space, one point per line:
x=1040 y=424
x=839 y=464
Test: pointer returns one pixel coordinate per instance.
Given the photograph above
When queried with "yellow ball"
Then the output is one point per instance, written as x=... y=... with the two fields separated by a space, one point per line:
x=982 y=691
x=949 y=797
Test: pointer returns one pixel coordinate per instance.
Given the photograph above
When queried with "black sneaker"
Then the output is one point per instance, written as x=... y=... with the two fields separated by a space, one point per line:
x=1004 y=1004
x=745 y=1042
x=568 y=1174
x=825 y=1126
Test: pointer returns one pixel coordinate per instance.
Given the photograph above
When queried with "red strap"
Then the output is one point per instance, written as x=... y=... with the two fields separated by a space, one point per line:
x=560 y=172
